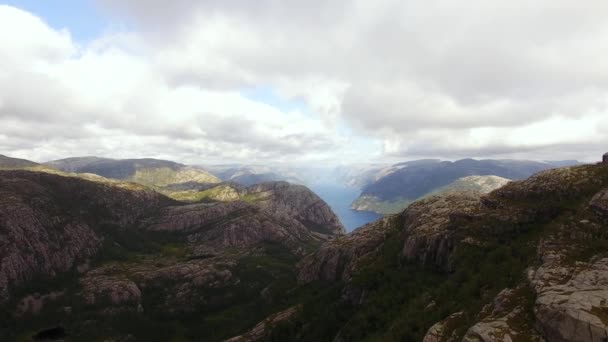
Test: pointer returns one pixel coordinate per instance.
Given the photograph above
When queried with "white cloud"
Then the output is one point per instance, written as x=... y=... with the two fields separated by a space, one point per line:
x=420 y=78
x=405 y=69
x=105 y=98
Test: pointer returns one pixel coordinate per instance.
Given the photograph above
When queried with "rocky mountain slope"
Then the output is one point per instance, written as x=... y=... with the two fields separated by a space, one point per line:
x=150 y=172
x=395 y=187
x=88 y=260
x=526 y=262
x=279 y=197
x=482 y=184
x=8 y=162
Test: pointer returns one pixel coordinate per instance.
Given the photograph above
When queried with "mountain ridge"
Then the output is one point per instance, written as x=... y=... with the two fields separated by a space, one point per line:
x=524 y=262
x=403 y=183
x=146 y=171
x=108 y=253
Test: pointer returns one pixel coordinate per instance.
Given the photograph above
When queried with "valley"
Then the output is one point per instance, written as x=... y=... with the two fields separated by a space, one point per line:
x=182 y=257
x=339 y=197
x=303 y=171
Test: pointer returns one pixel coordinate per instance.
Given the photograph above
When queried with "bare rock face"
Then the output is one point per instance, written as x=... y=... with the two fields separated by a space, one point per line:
x=575 y=307
x=572 y=296
x=428 y=226
x=565 y=297
x=181 y=285
x=112 y=292
x=193 y=217
x=297 y=202
x=48 y=223
x=599 y=203
x=231 y=224
x=504 y=319
x=444 y=331
x=110 y=249
x=426 y=229
x=339 y=258
x=34 y=237
x=259 y=332
x=277 y=211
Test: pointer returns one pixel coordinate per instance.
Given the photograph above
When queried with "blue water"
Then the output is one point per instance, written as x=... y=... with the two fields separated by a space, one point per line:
x=339 y=197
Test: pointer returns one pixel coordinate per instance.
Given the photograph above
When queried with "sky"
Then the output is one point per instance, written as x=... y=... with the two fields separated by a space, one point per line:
x=283 y=81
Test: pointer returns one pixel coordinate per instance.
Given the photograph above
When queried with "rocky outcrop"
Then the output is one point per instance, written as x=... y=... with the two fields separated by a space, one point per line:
x=444 y=331
x=298 y=202
x=570 y=290
x=572 y=295
x=49 y=223
x=260 y=331
x=277 y=211
x=233 y=224
x=111 y=292
x=506 y=318
x=339 y=258
x=575 y=310
x=599 y=203
x=180 y=285
x=194 y=217
x=429 y=225
x=426 y=228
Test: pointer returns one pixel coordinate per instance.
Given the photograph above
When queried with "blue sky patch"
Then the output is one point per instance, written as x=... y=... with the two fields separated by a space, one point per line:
x=81 y=17
x=268 y=95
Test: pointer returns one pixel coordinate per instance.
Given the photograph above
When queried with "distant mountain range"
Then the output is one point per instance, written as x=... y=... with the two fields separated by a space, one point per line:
x=151 y=172
x=390 y=189
x=84 y=257
x=251 y=174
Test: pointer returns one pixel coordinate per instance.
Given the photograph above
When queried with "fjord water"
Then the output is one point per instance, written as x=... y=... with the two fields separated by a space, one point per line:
x=339 y=197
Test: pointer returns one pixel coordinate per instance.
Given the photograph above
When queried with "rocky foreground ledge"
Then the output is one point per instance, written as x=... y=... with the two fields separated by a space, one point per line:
x=527 y=262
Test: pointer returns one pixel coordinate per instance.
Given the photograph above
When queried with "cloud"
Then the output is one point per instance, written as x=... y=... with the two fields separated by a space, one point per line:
x=110 y=97
x=403 y=67
x=410 y=78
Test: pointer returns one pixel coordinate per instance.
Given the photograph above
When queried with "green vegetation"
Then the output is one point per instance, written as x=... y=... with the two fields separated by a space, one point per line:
x=218 y=193
x=253 y=197
x=266 y=276
x=386 y=207
x=397 y=294
x=163 y=176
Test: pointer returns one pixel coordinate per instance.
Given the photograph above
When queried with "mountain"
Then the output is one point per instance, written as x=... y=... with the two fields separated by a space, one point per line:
x=273 y=196
x=109 y=260
x=359 y=176
x=8 y=163
x=396 y=187
x=154 y=173
x=526 y=262
x=482 y=184
x=87 y=260
x=252 y=174
x=12 y=163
